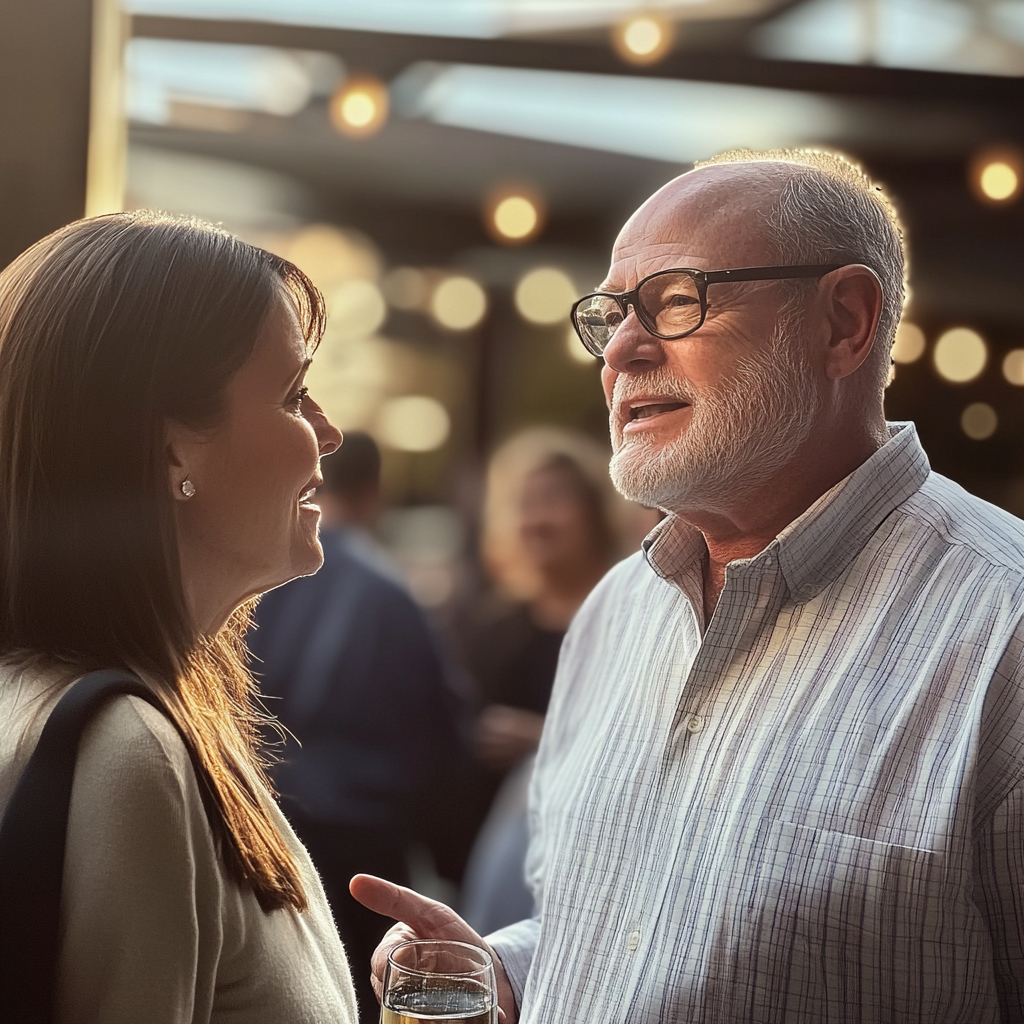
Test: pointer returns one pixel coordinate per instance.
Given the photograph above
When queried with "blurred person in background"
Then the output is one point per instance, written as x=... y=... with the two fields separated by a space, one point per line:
x=553 y=526
x=354 y=673
x=158 y=456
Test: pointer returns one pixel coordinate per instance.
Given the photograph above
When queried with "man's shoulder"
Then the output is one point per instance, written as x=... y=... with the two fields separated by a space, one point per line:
x=965 y=521
x=632 y=572
x=619 y=589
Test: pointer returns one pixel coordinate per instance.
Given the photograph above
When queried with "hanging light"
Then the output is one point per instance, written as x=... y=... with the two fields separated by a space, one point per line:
x=910 y=343
x=458 y=303
x=643 y=38
x=997 y=175
x=979 y=421
x=513 y=214
x=960 y=355
x=359 y=106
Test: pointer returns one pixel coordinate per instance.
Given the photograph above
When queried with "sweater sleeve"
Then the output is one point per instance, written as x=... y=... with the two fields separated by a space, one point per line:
x=141 y=910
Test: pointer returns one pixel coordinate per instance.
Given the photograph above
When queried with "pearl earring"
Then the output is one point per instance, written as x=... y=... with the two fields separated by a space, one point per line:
x=188 y=488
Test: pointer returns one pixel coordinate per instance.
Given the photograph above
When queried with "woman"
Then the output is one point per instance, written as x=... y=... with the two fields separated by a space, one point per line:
x=553 y=525
x=158 y=450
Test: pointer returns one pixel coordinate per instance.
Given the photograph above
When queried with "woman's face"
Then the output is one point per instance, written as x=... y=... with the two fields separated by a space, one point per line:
x=251 y=523
x=555 y=525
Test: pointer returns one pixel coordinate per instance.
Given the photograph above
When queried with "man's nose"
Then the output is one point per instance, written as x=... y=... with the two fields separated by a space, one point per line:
x=633 y=349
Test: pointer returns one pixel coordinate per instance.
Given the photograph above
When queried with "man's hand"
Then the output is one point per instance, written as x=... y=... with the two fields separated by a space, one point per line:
x=422 y=918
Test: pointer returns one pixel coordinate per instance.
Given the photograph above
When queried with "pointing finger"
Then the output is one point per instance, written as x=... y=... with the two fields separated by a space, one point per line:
x=426 y=917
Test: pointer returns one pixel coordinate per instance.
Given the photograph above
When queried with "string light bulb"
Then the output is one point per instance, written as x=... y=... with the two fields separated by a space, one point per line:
x=514 y=214
x=359 y=107
x=960 y=355
x=643 y=39
x=997 y=175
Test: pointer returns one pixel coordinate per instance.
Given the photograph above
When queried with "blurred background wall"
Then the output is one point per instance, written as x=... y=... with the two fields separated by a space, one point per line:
x=452 y=174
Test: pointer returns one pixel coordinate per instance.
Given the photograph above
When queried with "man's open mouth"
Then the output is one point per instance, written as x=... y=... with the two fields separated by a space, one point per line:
x=643 y=412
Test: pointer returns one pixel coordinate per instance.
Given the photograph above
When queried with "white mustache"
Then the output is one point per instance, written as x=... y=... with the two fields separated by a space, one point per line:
x=659 y=382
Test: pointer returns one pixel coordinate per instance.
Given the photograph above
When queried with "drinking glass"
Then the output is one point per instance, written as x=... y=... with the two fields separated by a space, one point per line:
x=439 y=981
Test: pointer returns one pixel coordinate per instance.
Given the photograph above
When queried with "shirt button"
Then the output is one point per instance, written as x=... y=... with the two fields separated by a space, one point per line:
x=632 y=941
x=694 y=723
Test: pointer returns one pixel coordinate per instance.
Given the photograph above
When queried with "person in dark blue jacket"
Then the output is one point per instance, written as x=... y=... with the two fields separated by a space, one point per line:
x=352 y=668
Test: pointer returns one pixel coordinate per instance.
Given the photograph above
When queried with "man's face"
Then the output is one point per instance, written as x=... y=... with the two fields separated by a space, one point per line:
x=700 y=422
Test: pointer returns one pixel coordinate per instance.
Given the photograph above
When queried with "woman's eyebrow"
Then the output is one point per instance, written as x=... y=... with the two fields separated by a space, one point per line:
x=302 y=369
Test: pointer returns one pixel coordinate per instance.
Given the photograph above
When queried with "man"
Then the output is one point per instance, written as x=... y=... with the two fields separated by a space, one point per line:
x=781 y=775
x=359 y=681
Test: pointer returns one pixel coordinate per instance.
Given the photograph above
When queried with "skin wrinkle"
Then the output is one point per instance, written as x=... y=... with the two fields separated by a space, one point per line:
x=741 y=433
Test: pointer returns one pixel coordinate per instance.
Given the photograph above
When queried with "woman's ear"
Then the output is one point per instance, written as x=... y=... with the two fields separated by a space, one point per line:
x=178 y=446
x=853 y=305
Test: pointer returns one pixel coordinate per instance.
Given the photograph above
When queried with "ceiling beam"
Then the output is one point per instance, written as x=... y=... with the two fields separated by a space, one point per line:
x=387 y=53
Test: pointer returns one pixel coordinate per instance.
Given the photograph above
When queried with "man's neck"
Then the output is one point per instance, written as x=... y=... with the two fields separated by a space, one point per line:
x=747 y=529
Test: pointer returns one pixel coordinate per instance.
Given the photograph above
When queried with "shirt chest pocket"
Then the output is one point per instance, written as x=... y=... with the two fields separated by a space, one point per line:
x=834 y=922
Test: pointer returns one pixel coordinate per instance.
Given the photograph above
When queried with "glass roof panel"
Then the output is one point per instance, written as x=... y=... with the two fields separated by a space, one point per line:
x=648 y=117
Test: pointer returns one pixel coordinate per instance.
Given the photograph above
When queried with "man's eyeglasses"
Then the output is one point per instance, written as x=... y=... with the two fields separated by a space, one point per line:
x=671 y=303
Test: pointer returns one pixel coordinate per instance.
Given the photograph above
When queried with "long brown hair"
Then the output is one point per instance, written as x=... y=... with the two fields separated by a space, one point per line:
x=109 y=328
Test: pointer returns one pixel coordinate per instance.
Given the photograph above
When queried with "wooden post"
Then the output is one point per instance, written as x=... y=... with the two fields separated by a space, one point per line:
x=46 y=95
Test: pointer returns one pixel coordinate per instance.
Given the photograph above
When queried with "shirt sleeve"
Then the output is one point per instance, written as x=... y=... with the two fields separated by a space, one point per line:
x=515 y=946
x=141 y=907
x=1001 y=869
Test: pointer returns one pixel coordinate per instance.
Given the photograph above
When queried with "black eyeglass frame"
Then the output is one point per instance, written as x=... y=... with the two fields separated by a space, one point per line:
x=701 y=279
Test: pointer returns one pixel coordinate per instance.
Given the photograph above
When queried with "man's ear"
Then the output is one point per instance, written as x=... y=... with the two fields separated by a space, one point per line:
x=852 y=298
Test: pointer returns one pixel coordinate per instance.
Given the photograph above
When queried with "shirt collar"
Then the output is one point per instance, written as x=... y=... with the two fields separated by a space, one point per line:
x=819 y=544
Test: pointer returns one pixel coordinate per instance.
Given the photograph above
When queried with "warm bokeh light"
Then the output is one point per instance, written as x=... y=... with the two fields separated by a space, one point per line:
x=458 y=303
x=356 y=309
x=513 y=213
x=642 y=39
x=979 y=421
x=545 y=295
x=996 y=175
x=910 y=343
x=999 y=181
x=516 y=217
x=413 y=423
x=575 y=347
x=960 y=355
x=359 y=107
x=406 y=288
x=329 y=255
x=1013 y=367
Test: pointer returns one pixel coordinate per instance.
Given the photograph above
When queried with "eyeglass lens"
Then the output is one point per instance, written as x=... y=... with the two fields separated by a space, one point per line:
x=669 y=302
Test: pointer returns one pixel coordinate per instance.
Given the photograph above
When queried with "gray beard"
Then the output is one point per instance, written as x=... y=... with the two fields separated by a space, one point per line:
x=741 y=432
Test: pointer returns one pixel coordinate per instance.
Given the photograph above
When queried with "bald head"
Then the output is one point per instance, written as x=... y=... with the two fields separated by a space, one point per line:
x=781 y=207
x=710 y=214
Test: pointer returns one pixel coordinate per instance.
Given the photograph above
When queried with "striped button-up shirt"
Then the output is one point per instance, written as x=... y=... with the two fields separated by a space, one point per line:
x=809 y=809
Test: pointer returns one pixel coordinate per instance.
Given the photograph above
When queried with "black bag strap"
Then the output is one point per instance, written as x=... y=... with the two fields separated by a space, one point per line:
x=32 y=841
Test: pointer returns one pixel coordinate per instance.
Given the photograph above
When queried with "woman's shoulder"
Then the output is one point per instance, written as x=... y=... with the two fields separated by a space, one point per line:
x=127 y=739
x=129 y=745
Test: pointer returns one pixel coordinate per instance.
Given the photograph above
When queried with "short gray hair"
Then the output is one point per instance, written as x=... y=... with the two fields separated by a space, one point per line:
x=830 y=211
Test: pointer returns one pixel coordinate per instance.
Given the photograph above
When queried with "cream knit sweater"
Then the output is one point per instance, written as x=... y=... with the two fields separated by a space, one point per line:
x=152 y=929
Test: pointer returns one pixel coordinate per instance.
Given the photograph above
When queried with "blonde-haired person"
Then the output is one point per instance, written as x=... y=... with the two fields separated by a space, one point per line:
x=158 y=450
x=552 y=526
